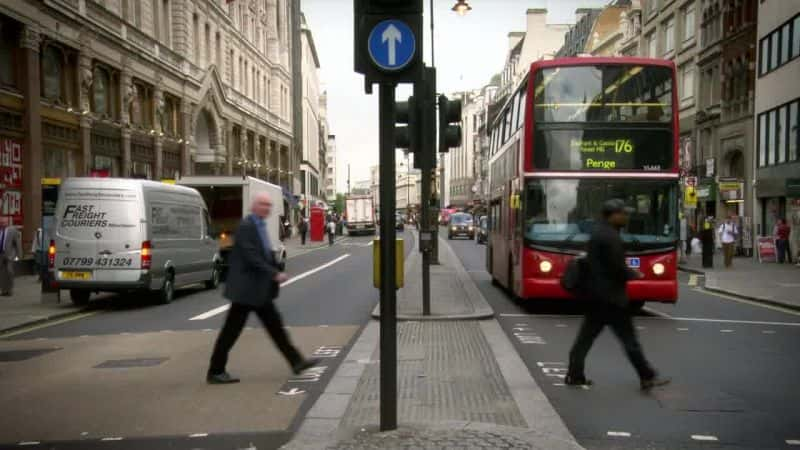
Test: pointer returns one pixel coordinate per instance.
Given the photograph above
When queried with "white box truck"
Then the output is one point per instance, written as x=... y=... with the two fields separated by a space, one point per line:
x=360 y=214
x=229 y=199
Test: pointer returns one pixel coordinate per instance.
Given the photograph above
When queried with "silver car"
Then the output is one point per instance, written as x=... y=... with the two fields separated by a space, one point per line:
x=121 y=235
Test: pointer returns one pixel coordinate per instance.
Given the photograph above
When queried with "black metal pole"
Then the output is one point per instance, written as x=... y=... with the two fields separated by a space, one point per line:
x=425 y=93
x=388 y=294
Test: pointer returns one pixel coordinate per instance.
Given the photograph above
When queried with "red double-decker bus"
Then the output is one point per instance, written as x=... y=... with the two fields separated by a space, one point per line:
x=576 y=132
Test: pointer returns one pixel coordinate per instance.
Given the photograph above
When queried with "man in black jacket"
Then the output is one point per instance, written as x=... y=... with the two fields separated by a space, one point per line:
x=607 y=277
x=252 y=286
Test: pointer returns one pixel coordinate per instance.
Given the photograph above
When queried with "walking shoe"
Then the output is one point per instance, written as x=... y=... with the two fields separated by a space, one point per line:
x=304 y=364
x=221 y=378
x=569 y=380
x=654 y=382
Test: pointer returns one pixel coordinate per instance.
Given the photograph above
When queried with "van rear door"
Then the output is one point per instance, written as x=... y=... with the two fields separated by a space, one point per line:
x=99 y=232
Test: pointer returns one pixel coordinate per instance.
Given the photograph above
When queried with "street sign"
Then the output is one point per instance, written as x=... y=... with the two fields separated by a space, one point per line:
x=392 y=45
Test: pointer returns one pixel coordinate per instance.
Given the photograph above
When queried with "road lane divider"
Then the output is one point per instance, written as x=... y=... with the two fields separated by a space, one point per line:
x=221 y=309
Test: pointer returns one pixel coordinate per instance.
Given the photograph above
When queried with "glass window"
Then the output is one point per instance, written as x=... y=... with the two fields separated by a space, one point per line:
x=523 y=98
x=100 y=91
x=615 y=93
x=513 y=108
x=563 y=211
x=762 y=140
x=688 y=23
x=52 y=71
x=774 y=51
x=669 y=36
x=688 y=83
x=785 y=43
x=796 y=37
x=764 y=55
x=772 y=133
x=794 y=133
x=780 y=131
x=652 y=45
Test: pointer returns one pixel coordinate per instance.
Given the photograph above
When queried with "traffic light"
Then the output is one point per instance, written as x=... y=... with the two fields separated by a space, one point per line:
x=388 y=40
x=449 y=123
x=407 y=125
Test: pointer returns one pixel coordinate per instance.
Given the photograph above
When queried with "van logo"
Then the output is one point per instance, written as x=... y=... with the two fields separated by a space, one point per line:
x=98 y=235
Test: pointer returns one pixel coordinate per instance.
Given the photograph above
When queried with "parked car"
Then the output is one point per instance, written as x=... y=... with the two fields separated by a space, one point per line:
x=120 y=235
x=460 y=224
x=483 y=231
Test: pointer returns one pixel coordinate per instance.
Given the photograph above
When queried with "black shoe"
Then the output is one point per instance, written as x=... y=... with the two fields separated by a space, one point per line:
x=221 y=378
x=304 y=364
x=577 y=381
x=654 y=382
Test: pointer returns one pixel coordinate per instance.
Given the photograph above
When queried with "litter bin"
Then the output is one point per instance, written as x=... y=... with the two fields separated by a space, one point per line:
x=707 y=238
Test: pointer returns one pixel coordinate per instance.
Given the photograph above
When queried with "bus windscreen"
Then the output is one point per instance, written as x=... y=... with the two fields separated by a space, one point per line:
x=611 y=117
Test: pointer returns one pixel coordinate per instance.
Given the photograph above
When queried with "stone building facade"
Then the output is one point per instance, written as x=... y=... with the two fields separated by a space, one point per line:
x=153 y=89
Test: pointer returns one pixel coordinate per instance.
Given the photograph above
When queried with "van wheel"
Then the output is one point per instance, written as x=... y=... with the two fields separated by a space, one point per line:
x=167 y=292
x=213 y=282
x=79 y=297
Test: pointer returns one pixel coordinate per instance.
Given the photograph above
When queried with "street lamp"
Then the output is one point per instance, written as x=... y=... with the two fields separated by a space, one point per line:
x=462 y=7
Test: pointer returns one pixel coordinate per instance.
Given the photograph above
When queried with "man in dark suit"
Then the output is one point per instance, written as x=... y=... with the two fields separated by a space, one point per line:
x=608 y=276
x=252 y=286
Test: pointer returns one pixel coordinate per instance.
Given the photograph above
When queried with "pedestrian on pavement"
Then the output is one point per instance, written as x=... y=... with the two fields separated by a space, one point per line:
x=607 y=274
x=252 y=286
x=302 y=228
x=782 y=231
x=331 y=232
x=37 y=248
x=10 y=251
x=728 y=232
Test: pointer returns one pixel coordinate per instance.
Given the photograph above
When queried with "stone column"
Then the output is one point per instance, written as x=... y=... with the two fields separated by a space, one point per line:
x=244 y=151
x=230 y=147
x=32 y=155
x=158 y=97
x=126 y=152
x=86 y=146
x=188 y=137
x=85 y=82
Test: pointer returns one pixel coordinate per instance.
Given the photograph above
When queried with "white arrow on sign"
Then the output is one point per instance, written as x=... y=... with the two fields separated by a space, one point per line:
x=393 y=35
x=292 y=391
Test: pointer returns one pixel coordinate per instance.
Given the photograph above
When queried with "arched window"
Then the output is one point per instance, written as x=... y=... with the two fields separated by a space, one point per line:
x=52 y=73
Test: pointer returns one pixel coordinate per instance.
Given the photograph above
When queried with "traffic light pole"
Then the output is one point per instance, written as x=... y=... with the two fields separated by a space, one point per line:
x=425 y=93
x=388 y=293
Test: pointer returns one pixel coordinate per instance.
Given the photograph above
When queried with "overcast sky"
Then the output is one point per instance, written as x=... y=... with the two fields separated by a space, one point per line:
x=469 y=50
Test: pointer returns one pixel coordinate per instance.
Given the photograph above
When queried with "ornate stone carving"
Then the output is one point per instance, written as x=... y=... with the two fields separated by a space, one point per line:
x=30 y=38
x=87 y=79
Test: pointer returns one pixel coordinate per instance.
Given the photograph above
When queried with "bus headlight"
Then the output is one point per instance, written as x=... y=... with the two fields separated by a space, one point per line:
x=545 y=266
x=658 y=269
x=453 y=229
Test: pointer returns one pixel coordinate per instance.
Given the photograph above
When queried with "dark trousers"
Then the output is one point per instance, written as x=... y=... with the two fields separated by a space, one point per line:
x=303 y=238
x=331 y=236
x=235 y=322
x=783 y=250
x=621 y=323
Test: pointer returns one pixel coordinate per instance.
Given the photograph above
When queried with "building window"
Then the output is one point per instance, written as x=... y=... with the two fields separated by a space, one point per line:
x=772 y=133
x=9 y=35
x=796 y=37
x=794 y=132
x=780 y=135
x=105 y=86
x=687 y=85
x=652 y=45
x=669 y=35
x=141 y=110
x=196 y=37
x=166 y=23
x=172 y=116
x=52 y=72
x=688 y=23
x=218 y=51
x=764 y=64
x=208 y=45
x=785 y=35
x=762 y=140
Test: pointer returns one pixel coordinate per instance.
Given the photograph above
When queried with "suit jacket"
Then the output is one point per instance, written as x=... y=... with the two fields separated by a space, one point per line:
x=251 y=268
x=608 y=274
x=12 y=246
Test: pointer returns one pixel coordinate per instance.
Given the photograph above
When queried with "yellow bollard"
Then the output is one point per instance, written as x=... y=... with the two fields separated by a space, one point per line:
x=398 y=263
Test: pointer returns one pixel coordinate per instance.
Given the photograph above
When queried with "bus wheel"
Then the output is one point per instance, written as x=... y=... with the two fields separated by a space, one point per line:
x=636 y=307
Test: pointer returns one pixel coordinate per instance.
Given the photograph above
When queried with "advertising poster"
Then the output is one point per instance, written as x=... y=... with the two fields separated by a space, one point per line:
x=11 y=180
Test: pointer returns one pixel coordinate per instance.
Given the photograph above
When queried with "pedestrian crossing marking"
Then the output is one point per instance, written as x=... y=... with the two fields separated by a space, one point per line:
x=703 y=437
x=692 y=280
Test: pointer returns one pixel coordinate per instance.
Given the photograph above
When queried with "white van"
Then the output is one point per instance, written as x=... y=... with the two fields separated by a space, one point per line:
x=120 y=235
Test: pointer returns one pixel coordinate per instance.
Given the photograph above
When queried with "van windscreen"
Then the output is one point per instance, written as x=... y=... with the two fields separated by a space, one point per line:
x=99 y=214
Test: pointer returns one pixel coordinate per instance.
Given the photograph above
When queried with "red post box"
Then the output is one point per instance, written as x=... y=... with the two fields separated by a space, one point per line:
x=317 y=223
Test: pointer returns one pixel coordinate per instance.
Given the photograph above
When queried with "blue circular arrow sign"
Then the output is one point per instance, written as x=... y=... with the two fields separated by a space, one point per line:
x=392 y=44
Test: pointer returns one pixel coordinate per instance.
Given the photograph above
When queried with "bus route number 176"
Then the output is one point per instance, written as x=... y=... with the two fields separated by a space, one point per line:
x=623 y=145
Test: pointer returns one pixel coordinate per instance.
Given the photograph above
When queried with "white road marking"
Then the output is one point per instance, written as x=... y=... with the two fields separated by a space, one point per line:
x=549 y=363
x=682 y=329
x=656 y=312
x=726 y=331
x=692 y=280
x=223 y=308
x=704 y=437
x=41 y=339
x=640 y=328
x=115 y=438
x=681 y=319
x=619 y=433
x=198 y=435
x=561 y=325
x=768 y=331
x=749 y=302
x=29 y=443
x=793 y=441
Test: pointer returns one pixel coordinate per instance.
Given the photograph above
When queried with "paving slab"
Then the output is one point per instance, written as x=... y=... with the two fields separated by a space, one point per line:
x=26 y=307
